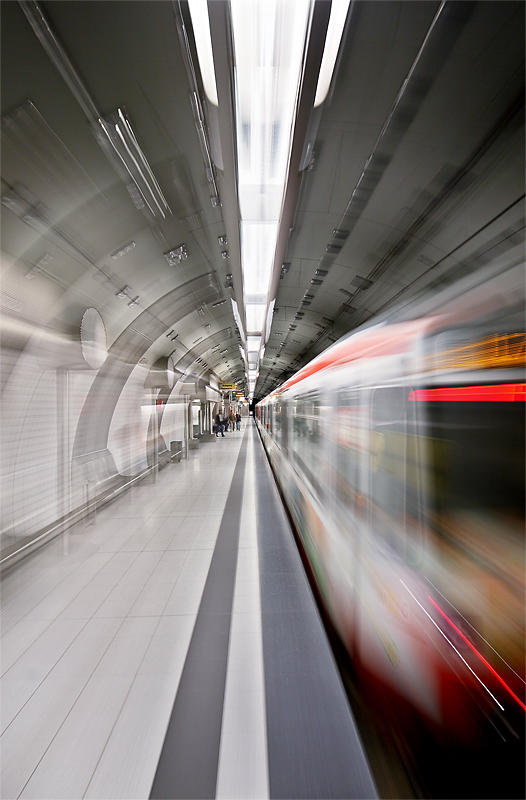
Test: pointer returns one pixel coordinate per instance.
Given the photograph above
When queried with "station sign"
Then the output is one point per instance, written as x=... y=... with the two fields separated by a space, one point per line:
x=229 y=387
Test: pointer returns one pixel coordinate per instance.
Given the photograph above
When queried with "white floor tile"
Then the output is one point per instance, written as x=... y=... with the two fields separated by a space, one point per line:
x=97 y=628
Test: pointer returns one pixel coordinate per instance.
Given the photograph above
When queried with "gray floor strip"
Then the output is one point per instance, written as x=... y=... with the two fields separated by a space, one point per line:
x=314 y=750
x=189 y=758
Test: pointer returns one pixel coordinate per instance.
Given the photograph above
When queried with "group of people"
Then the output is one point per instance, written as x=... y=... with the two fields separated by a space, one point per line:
x=229 y=422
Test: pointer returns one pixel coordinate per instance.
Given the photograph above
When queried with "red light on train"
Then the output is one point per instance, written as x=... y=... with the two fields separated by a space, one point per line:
x=498 y=393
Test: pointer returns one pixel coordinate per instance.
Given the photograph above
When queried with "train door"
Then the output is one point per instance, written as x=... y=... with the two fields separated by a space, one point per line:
x=396 y=506
x=351 y=507
x=391 y=644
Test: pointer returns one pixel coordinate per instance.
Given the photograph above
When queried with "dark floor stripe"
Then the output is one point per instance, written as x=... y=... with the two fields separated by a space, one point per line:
x=188 y=764
x=313 y=747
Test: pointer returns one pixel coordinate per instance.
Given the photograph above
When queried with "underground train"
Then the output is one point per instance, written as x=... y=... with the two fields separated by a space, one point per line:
x=399 y=452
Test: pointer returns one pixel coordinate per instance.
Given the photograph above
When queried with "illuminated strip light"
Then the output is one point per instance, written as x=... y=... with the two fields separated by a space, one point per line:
x=337 y=19
x=453 y=646
x=116 y=137
x=203 y=43
x=478 y=654
x=498 y=393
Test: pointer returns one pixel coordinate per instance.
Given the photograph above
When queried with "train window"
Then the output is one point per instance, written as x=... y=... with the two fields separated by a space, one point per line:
x=277 y=417
x=396 y=490
x=285 y=426
x=477 y=463
x=351 y=447
x=389 y=403
x=307 y=437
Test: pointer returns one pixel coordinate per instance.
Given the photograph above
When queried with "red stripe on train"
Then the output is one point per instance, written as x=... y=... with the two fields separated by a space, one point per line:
x=498 y=393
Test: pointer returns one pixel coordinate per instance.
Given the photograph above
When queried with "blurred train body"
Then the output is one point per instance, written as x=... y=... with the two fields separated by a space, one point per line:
x=400 y=455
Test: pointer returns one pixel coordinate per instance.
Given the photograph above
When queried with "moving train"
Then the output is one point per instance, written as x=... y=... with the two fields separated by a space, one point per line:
x=399 y=452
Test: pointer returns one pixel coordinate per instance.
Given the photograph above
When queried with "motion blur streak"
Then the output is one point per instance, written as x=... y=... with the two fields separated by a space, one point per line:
x=453 y=646
x=400 y=455
x=500 y=393
x=477 y=652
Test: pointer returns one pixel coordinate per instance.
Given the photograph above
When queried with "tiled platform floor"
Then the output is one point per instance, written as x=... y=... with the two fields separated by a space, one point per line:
x=94 y=641
x=97 y=629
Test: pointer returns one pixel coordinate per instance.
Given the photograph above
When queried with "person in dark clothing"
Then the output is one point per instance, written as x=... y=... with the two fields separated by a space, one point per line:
x=219 y=424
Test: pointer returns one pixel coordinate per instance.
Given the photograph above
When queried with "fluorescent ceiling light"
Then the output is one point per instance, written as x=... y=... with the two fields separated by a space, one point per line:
x=337 y=19
x=255 y=316
x=270 y=315
x=117 y=138
x=235 y=311
x=269 y=41
x=258 y=242
x=203 y=43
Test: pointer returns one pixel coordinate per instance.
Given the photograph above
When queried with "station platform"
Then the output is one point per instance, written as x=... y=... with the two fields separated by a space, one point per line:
x=171 y=648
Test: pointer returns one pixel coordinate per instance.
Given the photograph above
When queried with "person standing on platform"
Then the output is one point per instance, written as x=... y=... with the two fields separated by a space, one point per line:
x=238 y=421
x=219 y=423
x=232 y=420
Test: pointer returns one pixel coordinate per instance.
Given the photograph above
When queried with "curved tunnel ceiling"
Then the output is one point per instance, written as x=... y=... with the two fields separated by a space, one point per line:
x=413 y=173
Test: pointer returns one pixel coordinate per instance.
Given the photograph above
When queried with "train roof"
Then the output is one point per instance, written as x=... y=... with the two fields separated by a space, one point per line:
x=379 y=340
x=469 y=299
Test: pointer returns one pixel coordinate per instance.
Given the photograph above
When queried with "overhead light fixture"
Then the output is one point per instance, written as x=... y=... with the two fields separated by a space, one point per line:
x=222 y=240
x=316 y=282
x=115 y=135
x=124 y=292
x=123 y=250
x=219 y=303
x=333 y=38
x=269 y=40
x=237 y=318
x=134 y=302
x=322 y=272
x=42 y=262
x=203 y=43
x=176 y=255
x=345 y=291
